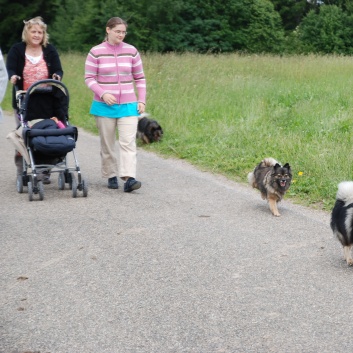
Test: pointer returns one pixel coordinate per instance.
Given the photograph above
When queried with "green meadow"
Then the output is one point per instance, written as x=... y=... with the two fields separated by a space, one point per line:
x=225 y=113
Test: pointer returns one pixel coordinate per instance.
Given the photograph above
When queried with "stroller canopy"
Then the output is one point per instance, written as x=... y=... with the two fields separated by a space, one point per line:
x=44 y=100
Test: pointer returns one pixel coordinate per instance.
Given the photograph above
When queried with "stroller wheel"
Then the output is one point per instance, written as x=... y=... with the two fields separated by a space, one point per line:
x=19 y=184
x=73 y=185
x=41 y=190
x=30 y=191
x=68 y=178
x=61 y=181
x=84 y=188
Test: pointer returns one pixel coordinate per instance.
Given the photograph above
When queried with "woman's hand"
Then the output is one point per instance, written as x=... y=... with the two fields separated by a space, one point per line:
x=14 y=79
x=109 y=99
x=141 y=107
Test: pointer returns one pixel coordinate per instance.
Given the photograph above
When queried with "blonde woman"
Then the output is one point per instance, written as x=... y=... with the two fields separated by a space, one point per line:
x=32 y=60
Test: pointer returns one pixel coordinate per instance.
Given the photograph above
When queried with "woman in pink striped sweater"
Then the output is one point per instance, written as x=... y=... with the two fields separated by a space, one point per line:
x=114 y=72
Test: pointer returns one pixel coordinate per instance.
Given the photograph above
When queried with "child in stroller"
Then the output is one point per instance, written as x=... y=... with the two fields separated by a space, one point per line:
x=46 y=137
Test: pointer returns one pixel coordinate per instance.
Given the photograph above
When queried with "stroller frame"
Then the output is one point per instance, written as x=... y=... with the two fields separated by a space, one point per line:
x=31 y=170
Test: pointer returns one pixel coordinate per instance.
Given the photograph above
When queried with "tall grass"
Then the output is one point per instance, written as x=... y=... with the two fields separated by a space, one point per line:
x=225 y=113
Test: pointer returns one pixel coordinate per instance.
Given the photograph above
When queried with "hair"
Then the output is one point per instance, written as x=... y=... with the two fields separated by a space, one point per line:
x=32 y=22
x=114 y=21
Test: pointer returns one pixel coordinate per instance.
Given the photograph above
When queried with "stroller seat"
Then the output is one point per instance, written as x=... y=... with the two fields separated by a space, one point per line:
x=44 y=137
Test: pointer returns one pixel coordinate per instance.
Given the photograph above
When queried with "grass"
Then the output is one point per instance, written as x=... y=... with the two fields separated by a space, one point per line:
x=225 y=113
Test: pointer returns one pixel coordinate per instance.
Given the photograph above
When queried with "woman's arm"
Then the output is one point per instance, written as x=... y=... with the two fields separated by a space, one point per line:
x=54 y=63
x=3 y=77
x=139 y=78
x=91 y=74
x=12 y=62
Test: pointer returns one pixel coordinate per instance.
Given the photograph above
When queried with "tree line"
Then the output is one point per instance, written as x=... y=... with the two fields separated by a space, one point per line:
x=203 y=26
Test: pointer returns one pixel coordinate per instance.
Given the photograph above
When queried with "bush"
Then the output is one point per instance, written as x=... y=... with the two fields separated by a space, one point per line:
x=327 y=31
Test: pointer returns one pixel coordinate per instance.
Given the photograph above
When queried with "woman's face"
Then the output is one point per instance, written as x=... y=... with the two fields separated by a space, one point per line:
x=116 y=34
x=35 y=35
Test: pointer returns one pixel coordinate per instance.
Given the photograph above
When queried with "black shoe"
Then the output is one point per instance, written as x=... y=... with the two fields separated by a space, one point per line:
x=46 y=178
x=113 y=183
x=131 y=184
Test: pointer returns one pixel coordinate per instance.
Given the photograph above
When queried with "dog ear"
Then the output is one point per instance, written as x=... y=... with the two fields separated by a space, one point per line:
x=275 y=168
x=286 y=166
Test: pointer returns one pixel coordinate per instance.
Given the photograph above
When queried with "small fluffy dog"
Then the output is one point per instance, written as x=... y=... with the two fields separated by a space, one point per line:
x=342 y=218
x=149 y=130
x=273 y=181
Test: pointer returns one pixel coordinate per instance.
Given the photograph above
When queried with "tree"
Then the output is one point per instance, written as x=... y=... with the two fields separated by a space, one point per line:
x=80 y=24
x=222 y=26
x=200 y=26
x=256 y=27
x=291 y=12
x=253 y=26
x=345 y=5
x=329 y=31
x=14 y=12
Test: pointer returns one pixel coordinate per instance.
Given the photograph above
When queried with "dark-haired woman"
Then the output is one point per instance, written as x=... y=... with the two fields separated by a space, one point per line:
x=113 y=70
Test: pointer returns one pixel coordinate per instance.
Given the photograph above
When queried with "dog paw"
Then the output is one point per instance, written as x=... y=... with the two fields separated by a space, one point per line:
x=350 y=262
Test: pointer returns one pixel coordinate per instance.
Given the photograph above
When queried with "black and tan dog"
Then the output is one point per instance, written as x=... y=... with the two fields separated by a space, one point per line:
x=148 y=130
x=342 y=218
x=273 y=180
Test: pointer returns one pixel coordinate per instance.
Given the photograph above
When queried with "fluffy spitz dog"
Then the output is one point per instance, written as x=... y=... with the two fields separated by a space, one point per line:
x=342 y=218
x=273 y=180
x=148 y=130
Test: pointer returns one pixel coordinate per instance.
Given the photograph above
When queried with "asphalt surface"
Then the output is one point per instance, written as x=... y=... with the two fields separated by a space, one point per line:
x=191 y=262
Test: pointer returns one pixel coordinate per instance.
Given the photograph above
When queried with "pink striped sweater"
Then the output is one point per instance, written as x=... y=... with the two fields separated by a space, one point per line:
x=115 y=69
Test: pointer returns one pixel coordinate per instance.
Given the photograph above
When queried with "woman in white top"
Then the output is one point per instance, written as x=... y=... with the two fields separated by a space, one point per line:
x=3 y=81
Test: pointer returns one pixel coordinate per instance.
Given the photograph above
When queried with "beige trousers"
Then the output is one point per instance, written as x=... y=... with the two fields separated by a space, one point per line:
x=127 y=128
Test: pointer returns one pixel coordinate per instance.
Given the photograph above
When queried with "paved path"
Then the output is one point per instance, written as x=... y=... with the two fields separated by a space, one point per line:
x=191 y=262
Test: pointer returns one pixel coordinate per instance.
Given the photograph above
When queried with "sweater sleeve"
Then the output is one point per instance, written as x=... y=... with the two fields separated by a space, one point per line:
x=91 y=74
x=139 y=78
x=54 y=63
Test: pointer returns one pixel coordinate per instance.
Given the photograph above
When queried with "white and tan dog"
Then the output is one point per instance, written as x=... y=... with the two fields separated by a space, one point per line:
x=342 y=218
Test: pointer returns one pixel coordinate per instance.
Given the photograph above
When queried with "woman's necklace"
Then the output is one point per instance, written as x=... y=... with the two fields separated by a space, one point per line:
x=34 y=51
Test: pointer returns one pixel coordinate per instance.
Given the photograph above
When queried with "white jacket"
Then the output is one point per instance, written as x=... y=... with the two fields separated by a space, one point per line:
x=3 y=80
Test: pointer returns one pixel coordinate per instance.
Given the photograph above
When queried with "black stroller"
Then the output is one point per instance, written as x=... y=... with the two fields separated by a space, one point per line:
x=47 y=141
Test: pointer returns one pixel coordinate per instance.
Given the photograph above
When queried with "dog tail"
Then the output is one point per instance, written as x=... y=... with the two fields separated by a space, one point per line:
x=143 y=115
x=345 y=192
x=268 y=162
x=251 y=179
